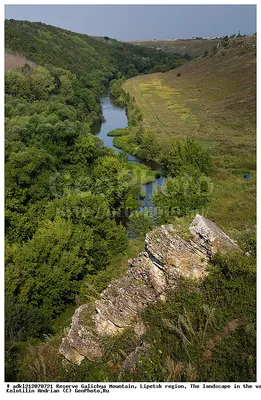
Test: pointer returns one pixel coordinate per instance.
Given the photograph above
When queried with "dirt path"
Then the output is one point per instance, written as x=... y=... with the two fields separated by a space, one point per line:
x=149 y=106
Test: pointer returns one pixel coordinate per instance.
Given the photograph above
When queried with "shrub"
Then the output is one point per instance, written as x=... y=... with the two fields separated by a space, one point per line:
x=179 y=156
x=42 y=363
x=140 y=223
x=180 y=195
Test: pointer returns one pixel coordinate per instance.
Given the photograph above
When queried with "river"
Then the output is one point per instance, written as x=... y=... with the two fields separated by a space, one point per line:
x=115 y=117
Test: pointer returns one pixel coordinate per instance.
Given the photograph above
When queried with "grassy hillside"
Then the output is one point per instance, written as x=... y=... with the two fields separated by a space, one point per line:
x=195 y=47
x=54 y=46
x=212 y=99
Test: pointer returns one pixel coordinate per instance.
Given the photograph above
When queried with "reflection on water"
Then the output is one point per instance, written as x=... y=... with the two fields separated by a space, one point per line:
x=114 y=117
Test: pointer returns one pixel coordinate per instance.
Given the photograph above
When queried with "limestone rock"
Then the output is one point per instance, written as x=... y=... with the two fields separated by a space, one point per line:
x=70 y=352
x=210 y=236
x=139 y=328
x=174 y=254
x=81 y=337
x=168 y=256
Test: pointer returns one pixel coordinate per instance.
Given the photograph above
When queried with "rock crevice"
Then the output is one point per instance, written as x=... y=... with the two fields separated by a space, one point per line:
x=155 y=272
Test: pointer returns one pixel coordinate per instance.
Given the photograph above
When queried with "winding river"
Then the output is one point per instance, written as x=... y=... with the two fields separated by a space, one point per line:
x=115 y=117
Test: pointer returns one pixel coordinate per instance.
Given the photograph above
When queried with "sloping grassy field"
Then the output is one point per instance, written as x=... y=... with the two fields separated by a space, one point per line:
x=211 y=99
x=195 y=47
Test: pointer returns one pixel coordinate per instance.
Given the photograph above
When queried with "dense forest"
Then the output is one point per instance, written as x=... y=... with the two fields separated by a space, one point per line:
x=64 y=191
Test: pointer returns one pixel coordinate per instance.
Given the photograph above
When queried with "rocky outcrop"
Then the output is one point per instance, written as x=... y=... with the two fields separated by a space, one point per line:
x=210 y=236
x=169 y=255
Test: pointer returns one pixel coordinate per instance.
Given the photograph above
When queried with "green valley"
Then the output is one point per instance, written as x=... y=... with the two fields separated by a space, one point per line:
x=74 y=219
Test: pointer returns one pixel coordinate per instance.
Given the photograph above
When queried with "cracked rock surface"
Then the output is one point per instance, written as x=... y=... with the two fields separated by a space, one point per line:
x=168 y=256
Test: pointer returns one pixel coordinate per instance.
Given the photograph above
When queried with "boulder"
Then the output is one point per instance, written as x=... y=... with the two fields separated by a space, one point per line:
x=81 y=340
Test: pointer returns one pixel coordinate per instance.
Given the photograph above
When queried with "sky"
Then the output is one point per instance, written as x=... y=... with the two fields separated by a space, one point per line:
x=142 y=22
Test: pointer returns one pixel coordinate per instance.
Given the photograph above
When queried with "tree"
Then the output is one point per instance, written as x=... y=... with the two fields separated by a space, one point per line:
x=23 y=322
x=148 y=145
x=17 y=84
x=27 y=174
x=86 y=209
x=180 y=195
x=46 y=271
x=180 y=156
x=112 y=180
x=41 y=83
x=65 y=81
x=139 y=223
x=86 y=147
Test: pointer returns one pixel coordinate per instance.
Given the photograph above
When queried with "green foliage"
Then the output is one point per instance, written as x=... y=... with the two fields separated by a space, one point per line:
x=148 y=145
x=140 y=223
x=27 y=170
x=133 y=113
x=183 y=156
x=42 y=83
x=118 y=132
x=117 y=92
x=126 y=143
x=231 y=280
x=180 y=195
x=158 y=68
x=45 y=271
x=16 y=84
x=36 y=85
x=46 y=129
x=77 y=238
x=112 y=180
x=79 y=208
x=41 y=363
x=250 y=244
x=143 y=174
x=142 y=144
x=27 y=175
x=23 y=322
x=86 y=147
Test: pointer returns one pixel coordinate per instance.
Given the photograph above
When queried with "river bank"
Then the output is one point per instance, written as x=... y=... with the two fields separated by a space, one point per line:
x=147 y=173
